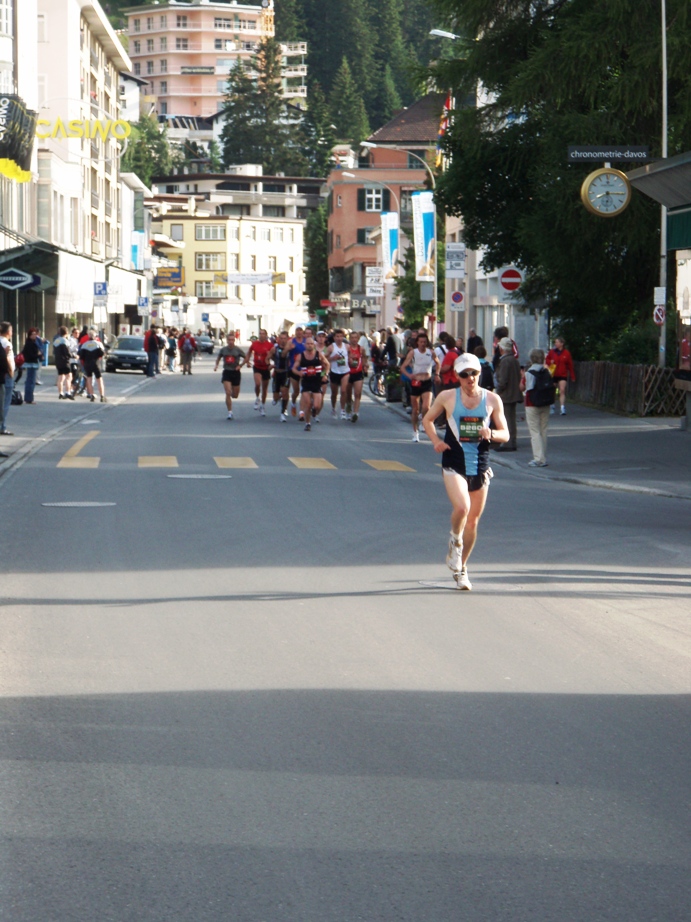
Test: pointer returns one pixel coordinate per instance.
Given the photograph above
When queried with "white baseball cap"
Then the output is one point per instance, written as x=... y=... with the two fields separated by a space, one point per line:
x=467 y=362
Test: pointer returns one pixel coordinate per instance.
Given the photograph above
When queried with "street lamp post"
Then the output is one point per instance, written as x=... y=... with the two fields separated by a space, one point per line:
x=369 y=145
x=662 y=352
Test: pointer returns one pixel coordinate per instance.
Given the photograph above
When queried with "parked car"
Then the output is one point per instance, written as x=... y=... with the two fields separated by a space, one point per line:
x=127 y=353
x=205 y=344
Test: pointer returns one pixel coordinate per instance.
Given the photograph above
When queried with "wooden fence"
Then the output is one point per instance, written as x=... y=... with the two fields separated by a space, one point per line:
x=641 y=390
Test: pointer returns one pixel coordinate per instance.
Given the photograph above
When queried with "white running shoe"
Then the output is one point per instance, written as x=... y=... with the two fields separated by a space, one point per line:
x=454 y=559
x=334 y=414
x=344 y=415
x=230 y=415
x=261 y=411
x=284 y=418
x=316 y=419
x=563 y=411
x=256 y=404
x=274 y=402
x=301 y=416
x=416 y=437
x=462 y=581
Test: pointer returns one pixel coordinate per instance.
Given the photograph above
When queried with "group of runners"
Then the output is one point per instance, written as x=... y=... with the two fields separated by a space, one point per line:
x=303 y=369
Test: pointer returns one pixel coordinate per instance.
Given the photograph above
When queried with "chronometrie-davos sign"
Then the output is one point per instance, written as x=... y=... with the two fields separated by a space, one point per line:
x=83 y=128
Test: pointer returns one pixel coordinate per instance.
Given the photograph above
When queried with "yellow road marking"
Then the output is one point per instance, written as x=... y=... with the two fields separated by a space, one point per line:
x=226 y=463
x=312 y=463
x=70 y=459
x=158 y=461
x=389 y=466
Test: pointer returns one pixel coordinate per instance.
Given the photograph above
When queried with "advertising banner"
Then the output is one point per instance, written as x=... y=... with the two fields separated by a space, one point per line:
x=17 y=128
x=389 y=244
x=169 y=277
x=424 y=234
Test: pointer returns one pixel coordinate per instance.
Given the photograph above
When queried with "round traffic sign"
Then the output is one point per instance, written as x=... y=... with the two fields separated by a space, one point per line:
x=510 y=279
x=659 y=315
x=457 y=297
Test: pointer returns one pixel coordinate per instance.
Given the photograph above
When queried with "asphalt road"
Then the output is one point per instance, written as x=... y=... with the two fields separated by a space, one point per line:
x=241 y=697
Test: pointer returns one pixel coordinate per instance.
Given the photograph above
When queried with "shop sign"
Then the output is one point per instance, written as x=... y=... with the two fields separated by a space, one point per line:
x=83 y=128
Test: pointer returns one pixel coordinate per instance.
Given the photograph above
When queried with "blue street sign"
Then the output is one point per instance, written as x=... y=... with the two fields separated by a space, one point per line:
x=143 y=302
x=205 y=318
x=100 y=289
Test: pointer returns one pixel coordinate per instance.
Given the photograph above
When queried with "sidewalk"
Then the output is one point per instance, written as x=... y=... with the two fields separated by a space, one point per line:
x=34 y=425
x=599 y=449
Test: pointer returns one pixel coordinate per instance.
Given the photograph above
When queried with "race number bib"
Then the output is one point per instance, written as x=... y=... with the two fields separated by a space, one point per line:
x=469 y=428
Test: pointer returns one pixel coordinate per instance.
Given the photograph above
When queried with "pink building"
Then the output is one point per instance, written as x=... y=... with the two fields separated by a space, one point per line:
x=185 y=52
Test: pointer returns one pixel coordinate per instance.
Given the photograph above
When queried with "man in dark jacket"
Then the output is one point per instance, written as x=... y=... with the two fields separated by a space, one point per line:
x=508 y=377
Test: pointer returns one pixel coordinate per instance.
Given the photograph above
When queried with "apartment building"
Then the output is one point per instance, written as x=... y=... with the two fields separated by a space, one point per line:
x=243 y=272
x=186 y=51
x=76 y=239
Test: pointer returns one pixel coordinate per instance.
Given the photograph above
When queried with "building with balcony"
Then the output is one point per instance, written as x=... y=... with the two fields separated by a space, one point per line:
x=186 y=51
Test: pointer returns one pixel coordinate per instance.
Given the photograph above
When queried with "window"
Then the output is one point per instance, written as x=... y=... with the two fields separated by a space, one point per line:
x=137 y=69
x=221 y=23
x=362 y=234
x=137 y=46
x=181 y=44
x=221 y=86
x=278 y=234
x=150 y=46
x=163 y=108
x=272 y=263
x=164 y=88
x=291 y=264
x=273 y=211
x=137 y=25
x=42 y=32
x=164 y=65
x=373 y=199
x=209 y=290
x=209 y=232
x=292 y=234
x=164 y=43
x=406 y=201
x=253 y=290
x=339 y=201
x=265 y=234
x=149 y=23
x=291 y=293
x=413 y=162
x=233 y=233
x=210 y=262
x=181 y=22
x=253 y=263
x=150 y=69
x=176 y=232
x=272 y=292
x=227 y=63
x=164 y=22
x=338 y=241
x=152 y=87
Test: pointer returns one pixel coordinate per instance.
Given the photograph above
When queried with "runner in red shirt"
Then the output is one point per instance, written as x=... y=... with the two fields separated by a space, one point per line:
x=357 y=364
x=258 y=352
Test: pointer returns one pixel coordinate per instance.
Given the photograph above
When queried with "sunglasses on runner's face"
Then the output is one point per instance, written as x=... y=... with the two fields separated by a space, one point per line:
x=469 y=374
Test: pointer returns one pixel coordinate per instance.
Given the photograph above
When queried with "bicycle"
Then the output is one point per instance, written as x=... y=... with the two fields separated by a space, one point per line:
x=377 y=381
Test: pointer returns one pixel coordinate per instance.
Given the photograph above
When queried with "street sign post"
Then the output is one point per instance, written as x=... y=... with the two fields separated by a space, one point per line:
x=659 y=315
x=457 y=299
x=455 y=260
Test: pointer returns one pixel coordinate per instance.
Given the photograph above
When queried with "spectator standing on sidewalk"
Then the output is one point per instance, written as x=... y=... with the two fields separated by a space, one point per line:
x=560 y=365
x=539 y=390
x=6 y=372
x=6 y=346
x=151 y=346
x=33 y=356
x=187 y=346
x=473 y=341
x=508 y=378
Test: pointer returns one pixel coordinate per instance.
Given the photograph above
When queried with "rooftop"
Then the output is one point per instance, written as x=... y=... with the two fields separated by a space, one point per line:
x=418 y=124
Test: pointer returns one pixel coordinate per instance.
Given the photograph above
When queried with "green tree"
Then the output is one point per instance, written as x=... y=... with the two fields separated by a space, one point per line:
x=290 y=26
x=319 y=135
x=258 y=125
x=316 y=258
x=387 y=99
x=415 y=310
x=347 y=108
x=148 y=153
x=556 y=73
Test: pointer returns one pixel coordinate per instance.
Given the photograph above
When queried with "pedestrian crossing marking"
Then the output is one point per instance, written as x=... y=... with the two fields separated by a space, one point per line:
x=313 y=464
x=389 y=466
x=227 y=463
x=71 y=459
x=158 y=461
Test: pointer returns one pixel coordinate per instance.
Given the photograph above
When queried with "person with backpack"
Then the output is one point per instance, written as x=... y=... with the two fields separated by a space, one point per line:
x=487 y=373
x=539 y=399
x=187 y=346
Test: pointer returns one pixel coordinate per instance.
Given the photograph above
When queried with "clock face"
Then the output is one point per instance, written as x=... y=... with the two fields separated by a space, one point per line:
x=606 y=192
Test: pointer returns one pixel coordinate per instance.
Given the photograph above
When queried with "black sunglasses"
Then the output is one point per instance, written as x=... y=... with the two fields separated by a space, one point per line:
x=469 y=374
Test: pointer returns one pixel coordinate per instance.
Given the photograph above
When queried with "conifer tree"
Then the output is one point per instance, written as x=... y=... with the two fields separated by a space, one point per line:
x=387 y=99
x=347 y=108
x=290 y=26
x=148 y=152
x=317 y=268
x=258 y=125
x=320 y=136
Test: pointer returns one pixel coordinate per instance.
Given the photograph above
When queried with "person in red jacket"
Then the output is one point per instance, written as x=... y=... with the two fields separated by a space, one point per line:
x=561 y=368
x=187 y=346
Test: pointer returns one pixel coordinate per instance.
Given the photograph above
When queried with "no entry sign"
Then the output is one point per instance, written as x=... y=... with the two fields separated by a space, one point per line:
x=510 y=279
x=659 y=315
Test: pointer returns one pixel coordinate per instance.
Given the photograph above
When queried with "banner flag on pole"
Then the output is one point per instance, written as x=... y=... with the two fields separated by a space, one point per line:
x=423 y=231
x=389 y=245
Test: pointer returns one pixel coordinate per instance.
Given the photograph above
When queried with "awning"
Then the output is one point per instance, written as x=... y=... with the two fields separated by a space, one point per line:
x=666 y=181
x=76 y=277
x=123 y=288
x=162 y=240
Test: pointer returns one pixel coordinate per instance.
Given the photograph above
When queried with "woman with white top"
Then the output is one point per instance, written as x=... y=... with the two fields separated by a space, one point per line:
x=423 y=361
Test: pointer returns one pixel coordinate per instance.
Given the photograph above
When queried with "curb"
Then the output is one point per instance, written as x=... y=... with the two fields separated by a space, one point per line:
x=560 y=478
